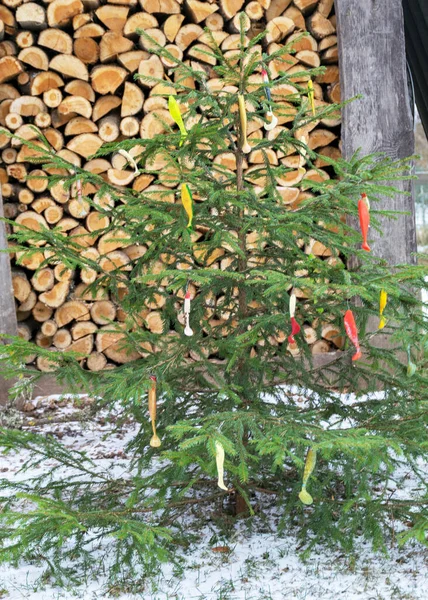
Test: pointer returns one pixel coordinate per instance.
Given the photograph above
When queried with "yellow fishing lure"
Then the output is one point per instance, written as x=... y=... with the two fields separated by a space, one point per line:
x=155 y=440
x=383 y=299
x=219 y=459
x=311 y=96
x=174 y=111
x=187 y=201
x=245 y=146
x=311 y=459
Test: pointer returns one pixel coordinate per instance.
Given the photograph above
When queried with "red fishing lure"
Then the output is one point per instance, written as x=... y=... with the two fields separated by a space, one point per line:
x=295 y=328
x=364 y=214
x=352 y=332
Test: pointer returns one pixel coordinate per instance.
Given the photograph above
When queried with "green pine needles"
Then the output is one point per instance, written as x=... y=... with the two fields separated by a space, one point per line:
x=234 y=383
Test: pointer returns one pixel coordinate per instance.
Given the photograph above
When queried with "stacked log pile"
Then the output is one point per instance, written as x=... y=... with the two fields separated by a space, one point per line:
x=67 y=67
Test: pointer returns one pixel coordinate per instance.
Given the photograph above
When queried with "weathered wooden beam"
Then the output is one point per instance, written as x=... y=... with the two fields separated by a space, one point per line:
x=373 y=64
x=8 y=324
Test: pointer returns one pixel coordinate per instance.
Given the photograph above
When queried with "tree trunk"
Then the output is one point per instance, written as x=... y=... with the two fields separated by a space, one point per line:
x=381 y=121
x=8 y=324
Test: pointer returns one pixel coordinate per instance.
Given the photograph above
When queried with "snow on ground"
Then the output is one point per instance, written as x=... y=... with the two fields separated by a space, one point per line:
x=255 y=567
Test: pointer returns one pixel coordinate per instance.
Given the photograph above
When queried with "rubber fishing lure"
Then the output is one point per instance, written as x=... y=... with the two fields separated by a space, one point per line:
x=187 y=201
x=273 y=120
x=154 y=441
x=411 y=367
x=364 y=214
x=130 y=159
x=383 y=299
x=245 y=146
x=187 y=330
x=174 y=111
x=311 y=96
x=295 y=327
x=352 y=332
x=219 y=459
x=310 y=462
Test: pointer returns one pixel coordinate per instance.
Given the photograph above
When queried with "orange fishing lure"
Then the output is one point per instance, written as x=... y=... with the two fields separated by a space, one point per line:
x=364 y=214
x=352 y=332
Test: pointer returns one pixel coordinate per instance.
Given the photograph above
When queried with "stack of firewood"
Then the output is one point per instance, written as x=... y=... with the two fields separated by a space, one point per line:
x=67 y=67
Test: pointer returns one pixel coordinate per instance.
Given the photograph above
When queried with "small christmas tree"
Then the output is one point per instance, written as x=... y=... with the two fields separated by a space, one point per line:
x=230 y=399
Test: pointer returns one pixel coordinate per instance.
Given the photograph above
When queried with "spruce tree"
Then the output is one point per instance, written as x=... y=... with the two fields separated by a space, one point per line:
x=228 y=389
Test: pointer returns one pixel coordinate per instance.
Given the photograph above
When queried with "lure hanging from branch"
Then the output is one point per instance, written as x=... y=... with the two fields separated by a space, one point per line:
x=352 y=332
x=174 y=111
x=269 y=115
x=411 y=367
x=154 y=441
x=295 y=327
x=310 y=462
x=187 y=201
x=364 y=214
x=219 y=459
x=245 y=146
x=130 y=159
x=187 y=298
x=311 y=96
x=383 y=299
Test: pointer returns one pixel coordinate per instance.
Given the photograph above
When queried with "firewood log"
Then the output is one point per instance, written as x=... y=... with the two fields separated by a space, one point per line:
x=10 y=67
x=276 y=8
x=112 y=44
x=13 y=121
x=41 y=312
x=104 y=105
x=49 y=328
x=73 y=310
x=52 y=98
x=43 y=280
x=56 y=40
x=320 y=26
x=84 y=345
x=169 y=7
x=113 y=17
x=46 y=365
x=35 y=57
x=43 y=82
x=21 y=286
x=8 y=155
x=31 y=16
x=70 y=66
x=111 y=341
x=129 y=126
x=24 y=331
x=62 y=339
x=60 y=12
x=82 y=329
x=85 y=144
x=42 y=340
x=131 y=60
x=57 y=295
x=91 y=30
x=96 y=361
x=103 y=312
x=172 y=25
x=199 y=11
x=87 y=50
x=107 y=78
x=29 y=303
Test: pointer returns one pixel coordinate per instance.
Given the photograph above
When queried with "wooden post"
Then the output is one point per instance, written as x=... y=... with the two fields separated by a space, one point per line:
x=8 y=323
x=373 y=63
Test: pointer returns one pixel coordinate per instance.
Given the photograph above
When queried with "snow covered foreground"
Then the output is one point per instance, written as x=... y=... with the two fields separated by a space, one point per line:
x=255 y=567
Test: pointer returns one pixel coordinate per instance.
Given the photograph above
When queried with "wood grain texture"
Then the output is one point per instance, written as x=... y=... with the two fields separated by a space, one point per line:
x=8 y=324
x=373 y=64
